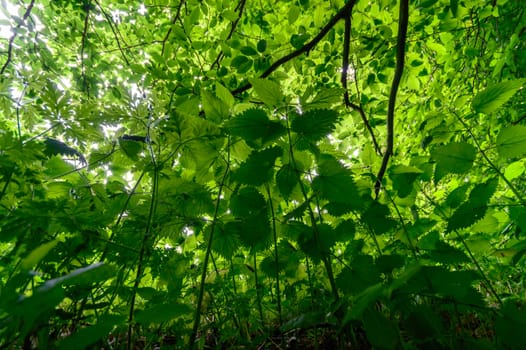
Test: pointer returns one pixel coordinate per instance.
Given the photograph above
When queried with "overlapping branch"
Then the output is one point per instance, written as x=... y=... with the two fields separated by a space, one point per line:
x=403 y=20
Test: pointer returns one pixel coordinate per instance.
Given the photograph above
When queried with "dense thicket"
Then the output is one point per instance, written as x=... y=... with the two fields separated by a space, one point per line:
x=262 y=174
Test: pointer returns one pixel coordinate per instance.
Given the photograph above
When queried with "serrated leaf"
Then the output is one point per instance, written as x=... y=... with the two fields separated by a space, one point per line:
x=255 y=128
x=226 y=240
x=286 y=180
x=215 y=109
x=466 y=215
x=224 y=95
x=455 y=157
x=482 y=193
x=247 y=202
x=403 y=178
x=259 y=167
x=325 y=98
x=56 y=166
x=493 y=97
x=377 y=216
x=131 y=149
x=335 y=183
x=511 y=141
x=315 y=124
x=268 y=91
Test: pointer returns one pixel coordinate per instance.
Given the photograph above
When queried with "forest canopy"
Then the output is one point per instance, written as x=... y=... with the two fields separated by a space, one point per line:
x=262 y=174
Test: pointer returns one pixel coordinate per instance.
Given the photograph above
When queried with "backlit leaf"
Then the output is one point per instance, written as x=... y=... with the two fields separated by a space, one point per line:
x=493 y=97
x=259 y=167
x=315 y=124
x=511 y=141
x=268 y=91
x=455 y=157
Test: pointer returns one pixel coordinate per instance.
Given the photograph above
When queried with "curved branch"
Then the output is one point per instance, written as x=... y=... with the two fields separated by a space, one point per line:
x=12 y=38
x=403 y=19
x=305 y=48
x=240 y=7
x=176 y=17
x=345 y=69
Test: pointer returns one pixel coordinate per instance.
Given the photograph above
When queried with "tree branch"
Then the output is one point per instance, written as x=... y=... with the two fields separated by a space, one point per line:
x=305 y=48
x=240 y=6
x=176 y=17
x=83 y=46
x=403 y=19
x=345 y=69
x=12 y=38
x=115 y=32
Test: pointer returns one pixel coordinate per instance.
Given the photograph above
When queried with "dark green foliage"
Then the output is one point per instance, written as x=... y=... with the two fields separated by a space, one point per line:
x=233 y=151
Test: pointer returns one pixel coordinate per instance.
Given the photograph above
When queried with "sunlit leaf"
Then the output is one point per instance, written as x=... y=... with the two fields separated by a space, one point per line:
x=493 y=97
x=455 y=157
x=259 y=167
x=268 y=91
x=511 y=141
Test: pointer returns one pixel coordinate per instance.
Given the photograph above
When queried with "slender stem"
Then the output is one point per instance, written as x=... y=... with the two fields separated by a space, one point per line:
x=198 y=309
x=276 y=255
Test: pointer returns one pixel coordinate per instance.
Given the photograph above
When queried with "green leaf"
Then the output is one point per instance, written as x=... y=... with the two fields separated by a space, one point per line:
x=224 y=95
x=242 y=64
x=315 y=124
x=226 y=240
x=215 y=109
x=254 y=126
x=335 y=183
x=511 y=141
x=286 y=180
x=403 y=178
x=455 y=157
x=377 y=216
x=268 y=91
x=87 y=336
x=56 y=166
x=160 y=313
x=247 y=202
x=493 y=97
x=381 y=332
x=131 y=149
x=325 y=98
x=465 y=216
x=259 y=167
x=37 y=254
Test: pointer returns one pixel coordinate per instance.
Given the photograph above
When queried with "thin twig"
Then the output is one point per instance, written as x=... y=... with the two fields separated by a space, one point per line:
x=403 y=20
x=240 y=6
x=345 y=69
x=12 y=38
x=304 y=49
x=115 y=32
x=176 y=17
x=83 y=46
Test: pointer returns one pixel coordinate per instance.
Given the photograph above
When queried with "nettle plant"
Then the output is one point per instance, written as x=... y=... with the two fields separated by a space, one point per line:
x=211 y=175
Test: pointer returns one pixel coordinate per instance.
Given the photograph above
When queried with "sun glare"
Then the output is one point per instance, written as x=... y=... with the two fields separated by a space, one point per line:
x=7 y=10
